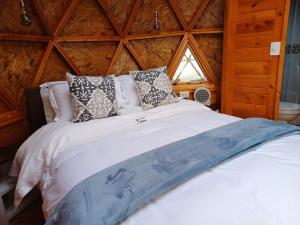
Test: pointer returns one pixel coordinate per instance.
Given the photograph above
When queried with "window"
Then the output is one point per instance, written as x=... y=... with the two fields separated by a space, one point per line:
x=188 y=69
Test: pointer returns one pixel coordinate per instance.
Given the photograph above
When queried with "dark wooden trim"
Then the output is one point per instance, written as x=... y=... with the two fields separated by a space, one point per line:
x=65 y=17
x=135 y=55
x=67 y=58
x=132 y=16
x=43 y=63
x=110 y=16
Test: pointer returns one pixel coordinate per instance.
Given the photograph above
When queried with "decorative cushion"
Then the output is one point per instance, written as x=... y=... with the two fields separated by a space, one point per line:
x=92 y=97
x=154 y=87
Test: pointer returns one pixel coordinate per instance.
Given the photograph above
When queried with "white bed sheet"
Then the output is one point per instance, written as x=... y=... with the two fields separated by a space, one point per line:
x=260 y=187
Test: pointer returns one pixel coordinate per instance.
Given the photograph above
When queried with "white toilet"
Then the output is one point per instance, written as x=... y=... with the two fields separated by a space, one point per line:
x=289 y=112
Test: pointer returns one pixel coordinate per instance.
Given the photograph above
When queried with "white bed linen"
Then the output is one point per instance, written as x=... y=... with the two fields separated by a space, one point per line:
x=260 y=187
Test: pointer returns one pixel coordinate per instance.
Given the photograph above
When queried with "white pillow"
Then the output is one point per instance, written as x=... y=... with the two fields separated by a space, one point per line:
x=129 y=90
x=44 y=91
x=60 y=100
x=60 y=104
x=122 y=101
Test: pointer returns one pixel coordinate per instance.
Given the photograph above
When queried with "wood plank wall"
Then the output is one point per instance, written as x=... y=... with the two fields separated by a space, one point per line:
x=252 y=77
x=99 y=37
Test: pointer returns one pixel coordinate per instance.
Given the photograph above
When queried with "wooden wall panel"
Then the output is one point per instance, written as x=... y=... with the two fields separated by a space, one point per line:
x=18 y=64
x=99 y=37
x=189 y=8
x=91 y=58
x=56 y=68
x=121 y=10
x=88 y=19
x=251 y=74
x=144 y=20
x=10 y=19
x=53 y=11
x=213 y=16
x=125 y=63
x=156 y=52
x=212 y=45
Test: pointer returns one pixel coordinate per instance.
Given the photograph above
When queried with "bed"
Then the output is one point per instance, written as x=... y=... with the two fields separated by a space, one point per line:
x=258 y=187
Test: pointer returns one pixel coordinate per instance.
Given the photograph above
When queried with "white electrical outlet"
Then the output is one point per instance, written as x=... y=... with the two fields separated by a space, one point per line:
x=184 y=94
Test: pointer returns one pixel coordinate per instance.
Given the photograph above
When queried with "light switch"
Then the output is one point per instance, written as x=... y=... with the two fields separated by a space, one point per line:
x=275 y=48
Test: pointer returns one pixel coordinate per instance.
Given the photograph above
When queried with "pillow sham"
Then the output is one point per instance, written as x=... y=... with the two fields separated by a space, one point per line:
x=154 y=87
x=60 y=100
x=92 y=97
x=44 y=92
x=129 y=89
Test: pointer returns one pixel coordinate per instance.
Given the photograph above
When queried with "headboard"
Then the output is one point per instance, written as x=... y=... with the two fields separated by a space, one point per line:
x=35 y=109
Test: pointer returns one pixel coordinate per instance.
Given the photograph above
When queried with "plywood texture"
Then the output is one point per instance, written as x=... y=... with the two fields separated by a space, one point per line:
x=157 y=52
x=121 y=10
x=18 y=64
x=88 y=19
x=92 y=58
x=144 y=20
x=53 y=11
x=99 y=37
x=56 y=68
x=10 y=20
x=125 y=63
x=213 y=16
x=211 y=45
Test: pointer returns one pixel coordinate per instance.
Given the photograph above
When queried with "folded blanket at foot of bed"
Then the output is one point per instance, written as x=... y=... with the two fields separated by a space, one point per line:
x=111 y=195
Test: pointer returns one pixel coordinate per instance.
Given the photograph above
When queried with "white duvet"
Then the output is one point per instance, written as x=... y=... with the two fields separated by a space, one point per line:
x=260 y=187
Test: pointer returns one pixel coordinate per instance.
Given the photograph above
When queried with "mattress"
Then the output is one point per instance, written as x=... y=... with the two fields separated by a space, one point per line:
x=259 y=187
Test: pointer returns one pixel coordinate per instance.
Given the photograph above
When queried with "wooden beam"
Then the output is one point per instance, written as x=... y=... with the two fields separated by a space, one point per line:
x=132 y=16
x=203 y=63
x=65 y=17
x=198 y=14
x=135 y=55
x=66 y=58
x=179 y=15
x=178 y=56
x=110 y=16
x=39 y=9
x=159 y=35
x=115 y=57
x=10 y=117
x=24 y=37
x=96 y=38
x=208 y=31
x=43 y=64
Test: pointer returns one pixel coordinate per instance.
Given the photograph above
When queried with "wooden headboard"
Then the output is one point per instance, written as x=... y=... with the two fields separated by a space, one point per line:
x=35 y=110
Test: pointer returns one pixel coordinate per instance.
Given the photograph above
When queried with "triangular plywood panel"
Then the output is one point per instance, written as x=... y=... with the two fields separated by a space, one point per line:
x=211 y=46
x=189 y=8
x=53 y=11
x=124 y=63
x=10 y=13
x=55 y=69
x=88 y=19
x=121 y=10
x=145 y=17
x=92 y=58
x=156 y=52
x=18 y=64
x=213 y=15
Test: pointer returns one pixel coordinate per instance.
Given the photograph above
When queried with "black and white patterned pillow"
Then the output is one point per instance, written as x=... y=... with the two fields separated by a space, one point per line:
x=92 y=97
x=154 y=87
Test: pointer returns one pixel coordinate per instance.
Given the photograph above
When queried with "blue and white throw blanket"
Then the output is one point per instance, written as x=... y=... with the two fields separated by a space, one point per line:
x=111 y=195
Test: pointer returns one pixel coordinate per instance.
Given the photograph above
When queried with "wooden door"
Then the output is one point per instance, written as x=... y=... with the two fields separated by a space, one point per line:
x=251 y=81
